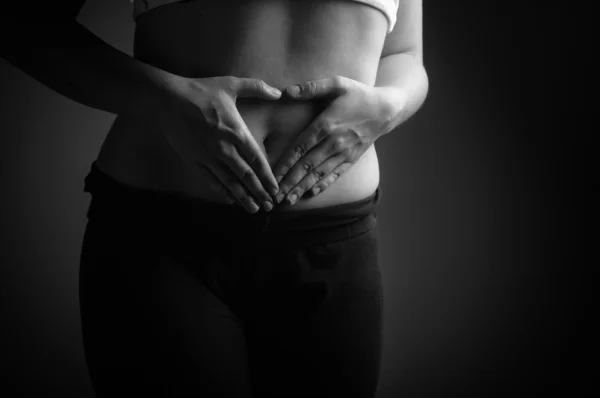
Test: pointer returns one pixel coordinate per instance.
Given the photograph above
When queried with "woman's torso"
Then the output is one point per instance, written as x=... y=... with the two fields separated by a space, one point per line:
x=280 y=41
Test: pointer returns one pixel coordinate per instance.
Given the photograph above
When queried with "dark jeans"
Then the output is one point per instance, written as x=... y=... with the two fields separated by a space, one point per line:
x=185 y=298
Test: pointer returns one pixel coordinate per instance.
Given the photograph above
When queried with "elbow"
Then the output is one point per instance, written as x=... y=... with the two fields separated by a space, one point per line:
x=419 y=93
x=420 y=86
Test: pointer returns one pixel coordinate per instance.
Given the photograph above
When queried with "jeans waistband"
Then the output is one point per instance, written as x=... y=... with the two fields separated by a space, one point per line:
x=114 y=200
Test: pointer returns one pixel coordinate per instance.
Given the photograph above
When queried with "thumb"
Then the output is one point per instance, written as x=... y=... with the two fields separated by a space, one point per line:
x=318 y=88
x=250 y=87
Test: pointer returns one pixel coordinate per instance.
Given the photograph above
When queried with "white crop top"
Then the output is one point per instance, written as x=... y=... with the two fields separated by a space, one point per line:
x=387 y=7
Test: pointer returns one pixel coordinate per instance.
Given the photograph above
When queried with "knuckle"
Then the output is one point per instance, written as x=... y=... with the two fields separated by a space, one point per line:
x=346 y=152
x=340 y=139
x=307 y=167
x=212 y=114
x=234 y=133
x=255 y=158
x=319 y=174
x=338 y=143
x=284 y=188
x=322 y=132
x=224 y=128
x=247 y=174
x=233 y=139
x=354 y=135
x=229 y=83
x=251 y=160
x=299 y=151
x=283 y=170
x=224 y=149
x=221 y=125
x=333 y=176
x=326 y=127
x=258 y=84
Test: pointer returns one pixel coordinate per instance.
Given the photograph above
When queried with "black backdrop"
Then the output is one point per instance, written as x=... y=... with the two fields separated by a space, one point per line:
x=473 y=214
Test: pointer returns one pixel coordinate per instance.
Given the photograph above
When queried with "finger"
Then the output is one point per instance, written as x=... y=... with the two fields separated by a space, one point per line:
x=317 y=176
x=228 y=196
x=308 y=165
x=231 y=182
x=318 y=130
x=258 y=162
x=216 y=186
x=330 y=178
x=245 y=142
x=247 y=177
x=336 y=85
x=250 y=87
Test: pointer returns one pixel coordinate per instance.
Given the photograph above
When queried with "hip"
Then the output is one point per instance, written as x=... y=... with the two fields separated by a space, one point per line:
x=143 y=159
x=161 y=219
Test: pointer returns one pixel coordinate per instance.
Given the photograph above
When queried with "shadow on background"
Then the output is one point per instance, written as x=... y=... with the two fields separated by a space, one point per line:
x=469 y=216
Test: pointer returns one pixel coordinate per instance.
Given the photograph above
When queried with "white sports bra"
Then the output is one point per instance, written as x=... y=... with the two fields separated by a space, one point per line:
x=387 y=7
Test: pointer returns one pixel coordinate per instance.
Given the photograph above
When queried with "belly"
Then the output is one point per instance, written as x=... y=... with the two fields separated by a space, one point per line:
x=251 y=39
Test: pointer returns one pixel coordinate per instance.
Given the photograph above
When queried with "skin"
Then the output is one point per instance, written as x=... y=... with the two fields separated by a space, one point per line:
x=359 y=84
x=358 y=114
x=256 y=39
x=334 y=141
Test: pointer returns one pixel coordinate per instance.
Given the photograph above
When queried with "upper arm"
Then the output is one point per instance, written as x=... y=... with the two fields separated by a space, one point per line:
x=407 y=36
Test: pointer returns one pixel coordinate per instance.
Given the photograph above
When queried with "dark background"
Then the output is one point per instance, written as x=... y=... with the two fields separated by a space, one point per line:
x=474 y=246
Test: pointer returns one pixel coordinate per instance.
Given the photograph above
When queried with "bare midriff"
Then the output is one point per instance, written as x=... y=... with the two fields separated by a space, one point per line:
x=279 y=41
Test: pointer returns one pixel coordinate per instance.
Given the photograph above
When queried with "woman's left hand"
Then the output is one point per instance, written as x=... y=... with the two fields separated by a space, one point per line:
x=357 y=115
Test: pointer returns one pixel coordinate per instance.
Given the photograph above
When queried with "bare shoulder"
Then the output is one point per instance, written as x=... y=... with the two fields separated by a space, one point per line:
x=407 y=35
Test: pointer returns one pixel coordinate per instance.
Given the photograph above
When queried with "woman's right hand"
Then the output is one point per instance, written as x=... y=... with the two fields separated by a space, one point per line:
x=201 y=122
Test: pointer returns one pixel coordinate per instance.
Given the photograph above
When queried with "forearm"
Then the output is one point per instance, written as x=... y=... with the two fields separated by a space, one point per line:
x=403 y=83
x=77 y=64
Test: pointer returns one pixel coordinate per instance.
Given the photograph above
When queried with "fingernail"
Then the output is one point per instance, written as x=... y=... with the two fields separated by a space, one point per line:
x=276 y=91
x=292 y=198
x=279 y=178
x=294 y=90
x=267 y=206
x=316 y=191
x=254 y=207
x=280 y=197
x=274 y=191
